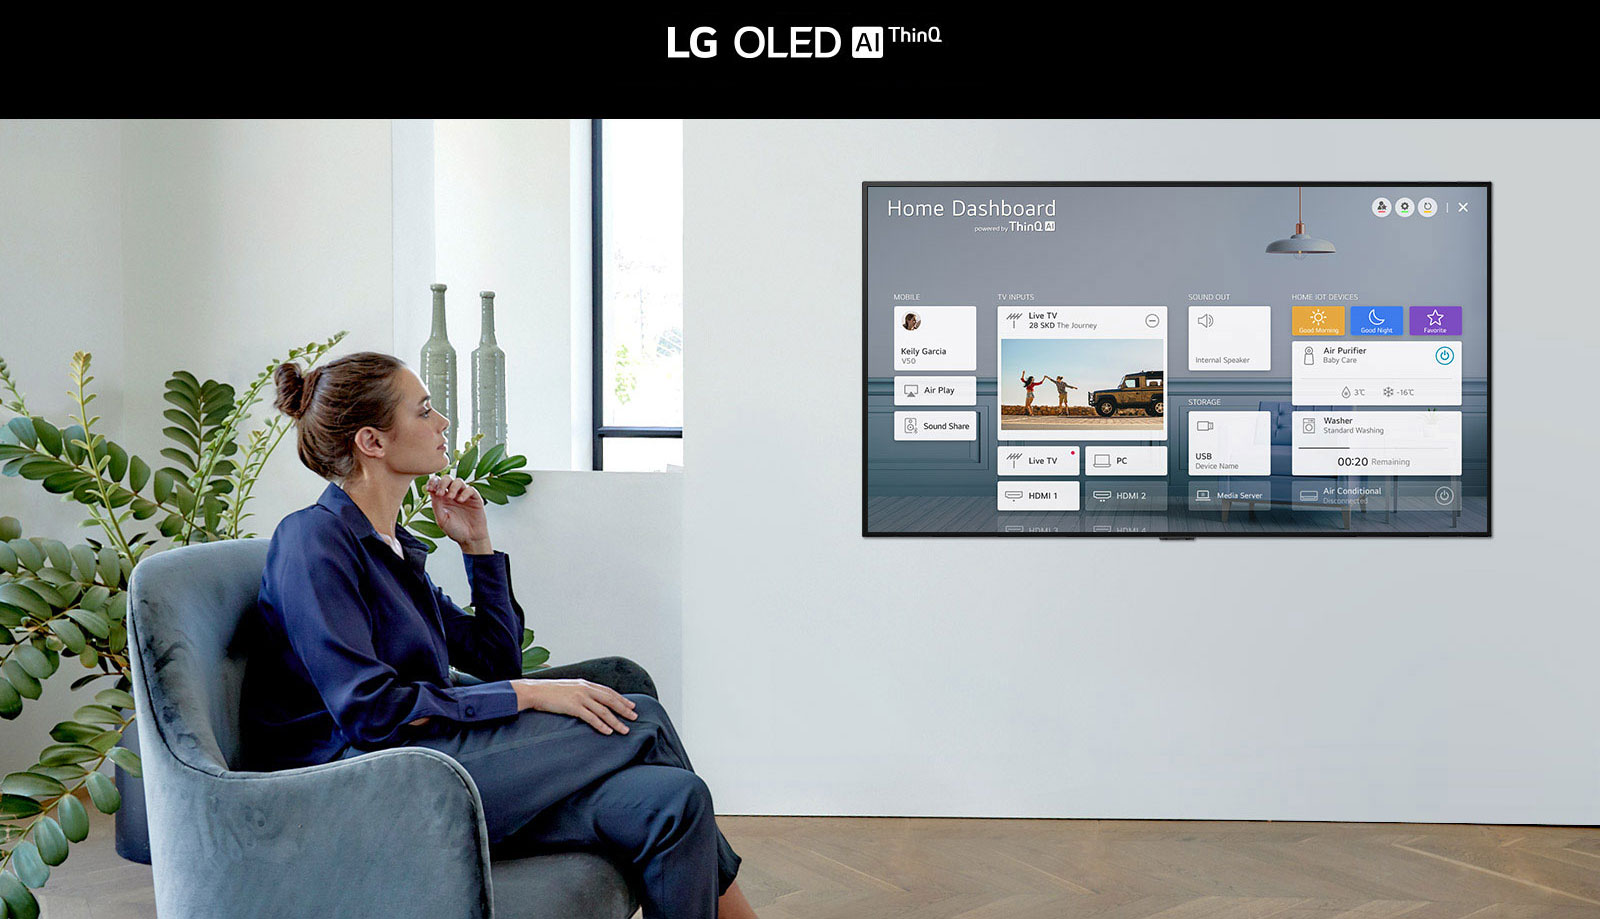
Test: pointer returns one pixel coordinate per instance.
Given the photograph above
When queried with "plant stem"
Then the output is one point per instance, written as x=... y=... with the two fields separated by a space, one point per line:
x=114 y=531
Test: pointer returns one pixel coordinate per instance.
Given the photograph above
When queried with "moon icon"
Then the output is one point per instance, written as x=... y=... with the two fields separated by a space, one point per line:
x=1372 y=317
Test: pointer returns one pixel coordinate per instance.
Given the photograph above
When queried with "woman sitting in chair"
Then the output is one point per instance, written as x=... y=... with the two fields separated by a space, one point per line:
x=354 y=646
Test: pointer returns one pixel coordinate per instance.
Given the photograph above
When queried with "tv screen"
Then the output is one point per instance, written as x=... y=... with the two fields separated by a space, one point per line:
x=1160 y=359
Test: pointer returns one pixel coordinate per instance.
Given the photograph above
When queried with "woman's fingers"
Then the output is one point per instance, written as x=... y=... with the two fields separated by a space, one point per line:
x=607 y=717
x=622 y=704
x=588 y=714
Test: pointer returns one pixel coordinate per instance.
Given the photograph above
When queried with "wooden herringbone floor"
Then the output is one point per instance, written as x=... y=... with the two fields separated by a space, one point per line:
x=931 y=868
x=878 y=868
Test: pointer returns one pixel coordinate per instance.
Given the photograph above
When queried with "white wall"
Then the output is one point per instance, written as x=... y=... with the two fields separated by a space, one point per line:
x=216 y=246
x=243 y=239
x=60 y=292
x=503 y=207
x=1385 y=680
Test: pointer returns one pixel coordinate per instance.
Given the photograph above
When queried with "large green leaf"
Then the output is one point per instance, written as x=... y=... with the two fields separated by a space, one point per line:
x=114 y=698
x=23 y=429
x=73 y=732
x=65 y=773
x=71 y=433
x=49 y=436
x=183 y=420
x=165 y=478
x=465 y=462
x=35 y=468
x=127 y=759
x=32 y=785
x=180 y=457
x=103 y=793
x=52 y=842
x=59 y=483
x=8 y=559
x=69 y=633
x=119 y=462
x=534 y=658
x=105 y=740
x=56 y=551
x=74 y=818
x=110 y=566
x=181 y=400
x=138 y=473
x=97 y=714
x=50 y=596
x=10 y=700
x=96 y=624
x=183 y=437
x=17 y=898
x=27 y=553
x=488 y=460
x=143 y=509
x=83 y=562
x=509 y=463
x=18 y=807
x=59 y=754
x=30 y=867
x=20 y=679
x=33 y=661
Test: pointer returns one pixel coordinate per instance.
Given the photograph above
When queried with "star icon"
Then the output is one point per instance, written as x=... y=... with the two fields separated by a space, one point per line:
x=1317 y=317
x=1435 y=318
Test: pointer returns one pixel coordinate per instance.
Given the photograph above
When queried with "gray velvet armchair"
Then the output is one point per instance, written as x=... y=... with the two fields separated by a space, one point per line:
x=393 y=833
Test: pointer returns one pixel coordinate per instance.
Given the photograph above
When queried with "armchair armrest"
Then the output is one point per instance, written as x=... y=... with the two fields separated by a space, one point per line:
x=393 y=833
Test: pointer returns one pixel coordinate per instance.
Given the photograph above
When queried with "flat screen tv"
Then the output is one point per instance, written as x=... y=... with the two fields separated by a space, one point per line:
x=1175 y=360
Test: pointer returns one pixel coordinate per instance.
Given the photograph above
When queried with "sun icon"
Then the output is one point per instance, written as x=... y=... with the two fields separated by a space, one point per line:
x=1317 y=317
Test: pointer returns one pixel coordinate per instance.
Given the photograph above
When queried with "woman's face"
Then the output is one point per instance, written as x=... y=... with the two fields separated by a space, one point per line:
x=415 y=445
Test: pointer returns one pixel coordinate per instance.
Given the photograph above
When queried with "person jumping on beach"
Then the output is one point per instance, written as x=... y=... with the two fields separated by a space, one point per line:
x=1061 y=387
x=1030 y=383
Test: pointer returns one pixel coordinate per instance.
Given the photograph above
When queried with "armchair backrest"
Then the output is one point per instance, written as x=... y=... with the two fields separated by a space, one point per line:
x=185 y=608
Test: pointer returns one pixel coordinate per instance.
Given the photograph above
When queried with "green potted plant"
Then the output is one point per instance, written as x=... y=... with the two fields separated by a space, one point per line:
x=61 y=602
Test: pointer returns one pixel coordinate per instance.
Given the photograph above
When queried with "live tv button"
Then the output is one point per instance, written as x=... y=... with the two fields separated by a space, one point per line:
x=1037 y=496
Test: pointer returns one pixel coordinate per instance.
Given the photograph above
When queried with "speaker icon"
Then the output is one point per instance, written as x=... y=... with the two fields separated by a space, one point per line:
x=1206 y=320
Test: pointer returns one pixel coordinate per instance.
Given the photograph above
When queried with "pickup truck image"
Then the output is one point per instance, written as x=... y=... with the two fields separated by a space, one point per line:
x=1145 y=389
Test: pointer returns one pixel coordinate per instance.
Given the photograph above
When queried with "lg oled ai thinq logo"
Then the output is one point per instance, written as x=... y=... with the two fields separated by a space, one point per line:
x=799 y=42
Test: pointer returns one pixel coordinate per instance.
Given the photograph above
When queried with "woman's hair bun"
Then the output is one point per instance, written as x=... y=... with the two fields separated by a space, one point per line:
x=291 y=389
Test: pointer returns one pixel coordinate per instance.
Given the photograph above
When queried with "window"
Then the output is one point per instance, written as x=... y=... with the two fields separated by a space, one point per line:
x=638 y=294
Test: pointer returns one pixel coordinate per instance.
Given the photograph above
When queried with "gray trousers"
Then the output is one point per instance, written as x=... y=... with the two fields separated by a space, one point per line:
x=551 y=782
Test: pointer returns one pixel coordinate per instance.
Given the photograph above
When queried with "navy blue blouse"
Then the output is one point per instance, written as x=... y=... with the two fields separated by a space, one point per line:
x=352 y=642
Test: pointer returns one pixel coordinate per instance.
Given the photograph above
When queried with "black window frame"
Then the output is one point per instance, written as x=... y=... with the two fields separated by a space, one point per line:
x=597 y=315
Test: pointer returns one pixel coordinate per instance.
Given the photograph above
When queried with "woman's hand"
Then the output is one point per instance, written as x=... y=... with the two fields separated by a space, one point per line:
x=596 y=704
x=458 y=510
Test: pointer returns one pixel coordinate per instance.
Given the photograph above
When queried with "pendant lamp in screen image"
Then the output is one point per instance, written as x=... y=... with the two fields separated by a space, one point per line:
x=1300 y=245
